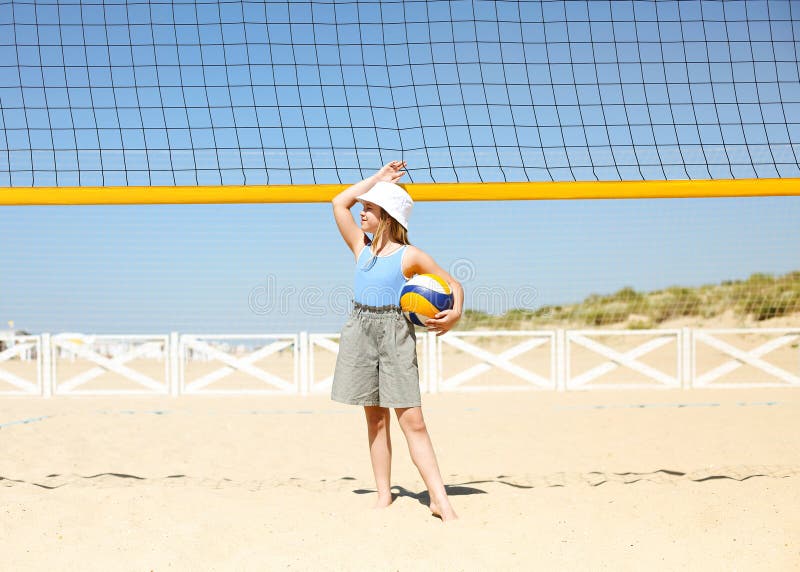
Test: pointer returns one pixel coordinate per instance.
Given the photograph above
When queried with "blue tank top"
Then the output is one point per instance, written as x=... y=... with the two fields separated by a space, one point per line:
x=379 y=279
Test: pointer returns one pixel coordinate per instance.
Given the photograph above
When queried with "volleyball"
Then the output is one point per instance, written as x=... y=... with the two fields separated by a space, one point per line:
x=424 y=296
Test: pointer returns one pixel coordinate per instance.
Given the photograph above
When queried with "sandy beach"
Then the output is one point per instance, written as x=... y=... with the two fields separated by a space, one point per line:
x=698 y=479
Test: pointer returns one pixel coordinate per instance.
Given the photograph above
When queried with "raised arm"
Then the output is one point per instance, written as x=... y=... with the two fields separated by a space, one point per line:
x=344 y=201
x=419 y=262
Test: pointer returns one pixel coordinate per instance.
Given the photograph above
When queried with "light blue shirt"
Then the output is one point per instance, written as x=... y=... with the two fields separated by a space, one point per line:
x=379 y=279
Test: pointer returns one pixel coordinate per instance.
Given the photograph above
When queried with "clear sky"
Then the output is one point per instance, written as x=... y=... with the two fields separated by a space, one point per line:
x=143 y=93
x=283 y=268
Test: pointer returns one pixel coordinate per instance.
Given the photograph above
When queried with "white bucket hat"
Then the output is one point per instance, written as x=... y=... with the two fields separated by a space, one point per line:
x=392 y=198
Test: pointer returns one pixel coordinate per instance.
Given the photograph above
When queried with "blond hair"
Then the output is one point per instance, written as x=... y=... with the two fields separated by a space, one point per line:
x=388 y=229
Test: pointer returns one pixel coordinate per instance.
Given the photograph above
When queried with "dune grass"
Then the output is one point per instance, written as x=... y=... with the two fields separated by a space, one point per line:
x=760 y=297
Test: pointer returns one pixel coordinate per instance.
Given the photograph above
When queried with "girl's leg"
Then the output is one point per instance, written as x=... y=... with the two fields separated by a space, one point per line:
x=421 y=449
x=380 y=451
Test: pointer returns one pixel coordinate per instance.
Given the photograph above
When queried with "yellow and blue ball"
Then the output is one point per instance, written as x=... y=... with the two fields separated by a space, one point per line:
x=424 y=296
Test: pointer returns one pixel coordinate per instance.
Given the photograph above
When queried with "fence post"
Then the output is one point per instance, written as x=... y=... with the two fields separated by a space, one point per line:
x=173 y=354
x=561 y=360
x=305 y=356
x=432 y=365
x=687 y=359
x=46 y=365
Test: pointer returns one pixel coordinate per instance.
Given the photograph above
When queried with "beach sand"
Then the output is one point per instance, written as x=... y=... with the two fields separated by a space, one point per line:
x=633 y=480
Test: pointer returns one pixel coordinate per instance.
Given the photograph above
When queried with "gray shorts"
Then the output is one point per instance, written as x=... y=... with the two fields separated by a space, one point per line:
x=377 y=361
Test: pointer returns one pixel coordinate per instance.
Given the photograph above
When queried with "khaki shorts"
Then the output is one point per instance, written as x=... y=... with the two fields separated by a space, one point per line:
x=377 y=361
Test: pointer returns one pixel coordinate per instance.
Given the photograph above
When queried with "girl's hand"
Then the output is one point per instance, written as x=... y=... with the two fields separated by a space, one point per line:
x=391 y=172
x=442 y=322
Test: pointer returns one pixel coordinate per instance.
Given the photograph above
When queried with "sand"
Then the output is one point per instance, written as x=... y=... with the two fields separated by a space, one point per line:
x=633 y=480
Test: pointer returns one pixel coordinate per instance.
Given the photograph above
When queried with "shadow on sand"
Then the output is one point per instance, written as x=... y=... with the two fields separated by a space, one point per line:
x=423 y=497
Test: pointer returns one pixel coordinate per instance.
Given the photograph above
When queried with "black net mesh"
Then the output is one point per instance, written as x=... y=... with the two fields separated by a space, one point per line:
x=251 y=92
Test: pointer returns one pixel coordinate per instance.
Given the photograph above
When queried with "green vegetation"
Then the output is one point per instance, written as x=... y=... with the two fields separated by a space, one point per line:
x=760 y=297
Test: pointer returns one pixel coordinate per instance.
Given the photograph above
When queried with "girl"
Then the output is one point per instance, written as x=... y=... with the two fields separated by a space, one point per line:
x=377 y=362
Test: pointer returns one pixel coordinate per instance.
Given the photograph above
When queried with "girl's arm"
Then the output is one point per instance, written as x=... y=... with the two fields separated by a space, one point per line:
x=344 y=201
x=419 y=262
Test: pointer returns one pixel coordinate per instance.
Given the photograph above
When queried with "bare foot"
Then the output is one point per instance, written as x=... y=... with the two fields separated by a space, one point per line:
x=443 y=510
x=383 y=501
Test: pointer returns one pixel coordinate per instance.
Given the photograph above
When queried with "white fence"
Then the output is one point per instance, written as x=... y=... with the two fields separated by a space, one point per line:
x=204 y=366
x=70 y=354
x=562 y=360
x=666 y=373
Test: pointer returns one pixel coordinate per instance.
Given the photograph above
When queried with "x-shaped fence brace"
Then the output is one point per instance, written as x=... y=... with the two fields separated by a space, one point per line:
x=501 y=361
x=115 y=364
x=232 y=363
x=751 y=357
x=12 y=379
x=616 y=359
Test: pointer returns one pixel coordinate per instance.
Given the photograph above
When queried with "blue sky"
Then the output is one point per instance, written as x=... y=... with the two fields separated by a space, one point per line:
x=163 y=93
x=227 y=268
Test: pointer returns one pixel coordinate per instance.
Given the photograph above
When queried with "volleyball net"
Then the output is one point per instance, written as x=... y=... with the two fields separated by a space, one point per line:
x=150 y=93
